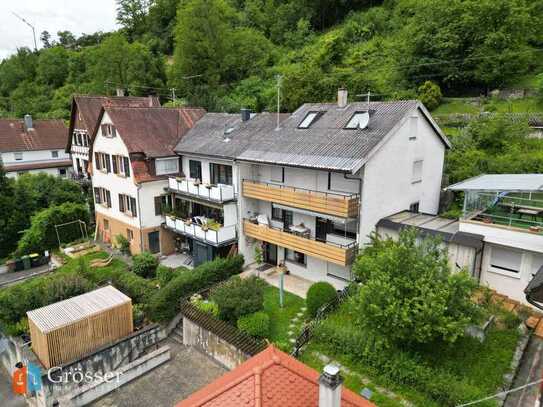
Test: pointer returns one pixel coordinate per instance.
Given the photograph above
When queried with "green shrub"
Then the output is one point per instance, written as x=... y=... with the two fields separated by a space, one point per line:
x=208 y=306
x=319 y=294
x=257 y=324
x=430 y=95
x=138 y=315
x=166 y=274
x=123 y=243
x=166 y=302
x=238 y=297
x=136 y=287
x=144 y=265
x=41 y=235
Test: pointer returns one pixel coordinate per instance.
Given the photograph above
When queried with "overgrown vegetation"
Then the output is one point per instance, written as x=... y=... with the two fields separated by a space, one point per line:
x=144 y=265
x=239 y=297
x=227 y=53
x=319 y=294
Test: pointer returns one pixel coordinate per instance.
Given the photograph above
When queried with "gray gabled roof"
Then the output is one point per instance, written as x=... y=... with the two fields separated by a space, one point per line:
x=325 y=144
x=225 y=135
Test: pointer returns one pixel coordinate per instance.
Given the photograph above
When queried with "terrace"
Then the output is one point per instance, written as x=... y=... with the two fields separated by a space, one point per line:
x=216 y=193
x=509 y=201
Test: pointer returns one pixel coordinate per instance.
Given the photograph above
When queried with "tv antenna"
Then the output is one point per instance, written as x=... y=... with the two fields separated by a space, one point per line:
x=30 y=25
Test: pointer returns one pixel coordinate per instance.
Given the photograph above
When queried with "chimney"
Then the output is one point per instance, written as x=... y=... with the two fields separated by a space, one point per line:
x=150 y=99
x=245 y=114
x=330 y=387
x=342 y=97
x=28 y=122
x=120 y=91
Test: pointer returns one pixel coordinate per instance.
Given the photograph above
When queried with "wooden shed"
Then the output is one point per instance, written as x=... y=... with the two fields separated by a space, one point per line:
x=66 y=330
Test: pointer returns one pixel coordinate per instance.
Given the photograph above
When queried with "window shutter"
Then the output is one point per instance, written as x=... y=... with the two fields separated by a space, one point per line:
x=133 y=206
x=103 y=127
x=126 y=166
x=108 y=162
x=97 y=195
x=158 y=205
x=113 y=131
x=108 y=198
x=121 y=203
x=97 y=160
x=114 y=159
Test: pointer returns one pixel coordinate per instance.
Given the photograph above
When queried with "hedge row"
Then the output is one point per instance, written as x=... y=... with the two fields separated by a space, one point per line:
x=166 y=302
x=395 y=365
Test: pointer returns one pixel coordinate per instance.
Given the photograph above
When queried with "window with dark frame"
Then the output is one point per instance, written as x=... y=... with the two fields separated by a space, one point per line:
x=277 y=214
x=129 y=235
x=296 y=257
x=309 y=119
x=220 y=173
x=414 y=207
x=54 y=154
x=195 y=169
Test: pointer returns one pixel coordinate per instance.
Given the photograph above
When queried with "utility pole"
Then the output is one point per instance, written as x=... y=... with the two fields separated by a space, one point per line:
x=31 y=26
x=279 y=79
x=173 y=94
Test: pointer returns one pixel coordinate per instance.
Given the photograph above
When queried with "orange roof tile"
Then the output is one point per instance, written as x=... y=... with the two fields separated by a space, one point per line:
x=270 y=379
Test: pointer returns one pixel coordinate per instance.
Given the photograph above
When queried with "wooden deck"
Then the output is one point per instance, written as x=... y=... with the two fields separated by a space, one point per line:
x=345 y=206
x=324 y=251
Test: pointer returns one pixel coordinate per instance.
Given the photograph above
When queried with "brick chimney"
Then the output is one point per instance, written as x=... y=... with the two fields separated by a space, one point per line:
x=330 y=387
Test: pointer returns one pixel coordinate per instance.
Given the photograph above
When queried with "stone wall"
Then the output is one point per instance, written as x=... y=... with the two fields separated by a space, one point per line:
x=212 y=345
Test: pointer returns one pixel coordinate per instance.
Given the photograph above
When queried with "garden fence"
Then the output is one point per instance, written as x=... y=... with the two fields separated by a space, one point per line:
x=322 y=312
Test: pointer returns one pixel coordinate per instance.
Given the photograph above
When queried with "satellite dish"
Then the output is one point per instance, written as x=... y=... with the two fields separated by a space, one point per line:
x=364 y=120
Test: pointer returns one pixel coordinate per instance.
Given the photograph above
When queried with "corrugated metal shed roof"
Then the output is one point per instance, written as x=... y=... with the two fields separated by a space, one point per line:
x=501 y=182
x=62 y=313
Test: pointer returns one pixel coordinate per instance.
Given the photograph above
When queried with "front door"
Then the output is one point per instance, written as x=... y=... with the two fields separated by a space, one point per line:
x=270 y=254
x=201 y=253
x=322 y=228
x=154 y=242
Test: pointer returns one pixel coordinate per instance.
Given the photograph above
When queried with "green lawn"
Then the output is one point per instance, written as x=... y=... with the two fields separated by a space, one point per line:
x=280 y=318
x=462 y=106
x=452 y=106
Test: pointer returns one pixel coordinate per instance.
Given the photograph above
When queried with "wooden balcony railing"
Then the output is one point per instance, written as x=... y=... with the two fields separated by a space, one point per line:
x=345 y=206
x=338 y=254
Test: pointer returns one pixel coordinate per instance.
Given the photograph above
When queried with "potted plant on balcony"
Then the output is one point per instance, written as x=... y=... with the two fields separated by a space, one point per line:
x=197 y=181
x=179 y=179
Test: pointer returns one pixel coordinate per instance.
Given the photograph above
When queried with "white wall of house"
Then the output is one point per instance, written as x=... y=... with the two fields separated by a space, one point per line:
x=390 y=184
x=206 y=176
x=114 y=183
x=146 y=199
x=511 y=284
x=35 y=157
x=49 y=171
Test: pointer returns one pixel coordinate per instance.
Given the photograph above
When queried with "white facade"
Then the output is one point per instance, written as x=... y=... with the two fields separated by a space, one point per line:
x=35 y=158
x=511 y=257
x=79 y=150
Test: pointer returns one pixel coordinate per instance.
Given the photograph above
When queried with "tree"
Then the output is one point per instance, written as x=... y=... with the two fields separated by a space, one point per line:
x=408 y=293
x=430 y=95
x=132 y=15
x=52 y=66
x=66 y=39
x=45 y=39
x=8 y=207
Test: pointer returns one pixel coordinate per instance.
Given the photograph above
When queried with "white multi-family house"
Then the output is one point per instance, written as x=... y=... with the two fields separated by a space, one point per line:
x=506 y=211
x=205 y=199
x=311 y=186
x=132 y=158
x=34 y=146
x=83 y=120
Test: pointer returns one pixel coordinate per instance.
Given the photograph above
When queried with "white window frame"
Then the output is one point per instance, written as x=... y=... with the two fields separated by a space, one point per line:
x=167 y=159
x=54 y=153
x=498 y=270
x=18 y=156
x=308 y=120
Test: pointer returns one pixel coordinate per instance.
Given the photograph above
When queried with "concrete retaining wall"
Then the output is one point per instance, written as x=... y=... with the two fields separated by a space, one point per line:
x=212 y=345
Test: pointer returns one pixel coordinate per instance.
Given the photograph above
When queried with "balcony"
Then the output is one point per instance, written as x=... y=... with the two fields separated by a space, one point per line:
x=345 y=206
x=342 y=254
x=223 y=235
x=216 y=193
x=79 y=150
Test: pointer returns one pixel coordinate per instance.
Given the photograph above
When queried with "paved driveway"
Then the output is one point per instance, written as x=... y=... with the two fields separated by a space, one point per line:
x=187 y=371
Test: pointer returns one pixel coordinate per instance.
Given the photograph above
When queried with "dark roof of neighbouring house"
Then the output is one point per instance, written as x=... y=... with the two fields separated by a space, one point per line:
x=433 y=225
x=534 y=289
x=38 y=166
x=153 y=131
x=45 y=135
x=89 y=107
x=326 y=143
x=225 y=135
x=270 y=379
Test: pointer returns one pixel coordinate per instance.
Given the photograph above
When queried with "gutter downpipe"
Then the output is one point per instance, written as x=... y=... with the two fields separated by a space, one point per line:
x=359 y=179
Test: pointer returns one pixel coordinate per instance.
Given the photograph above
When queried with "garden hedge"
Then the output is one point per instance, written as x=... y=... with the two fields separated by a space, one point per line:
x=166 y=301
x=256 y=324
x=319 y=294
x=238 y=297
x=144 y=265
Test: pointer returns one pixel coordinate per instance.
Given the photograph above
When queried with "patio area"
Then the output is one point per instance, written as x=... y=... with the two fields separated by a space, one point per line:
x=177 y=260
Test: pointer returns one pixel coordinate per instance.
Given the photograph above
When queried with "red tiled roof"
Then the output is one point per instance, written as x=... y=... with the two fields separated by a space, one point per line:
x=38 y=166
x=45 y=135
x=153 y=131
x=89 y=107
x=270 y=379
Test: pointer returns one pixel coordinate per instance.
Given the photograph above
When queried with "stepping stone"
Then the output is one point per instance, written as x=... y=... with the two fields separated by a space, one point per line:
x=304 y=308
x=300 y=314
x=290 y=333
x=292 y=340
x=295 y=319
x=292 y=326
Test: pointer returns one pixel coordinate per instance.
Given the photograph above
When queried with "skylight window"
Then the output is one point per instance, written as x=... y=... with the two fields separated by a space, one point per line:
x=308 y=120
x=359 y=120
